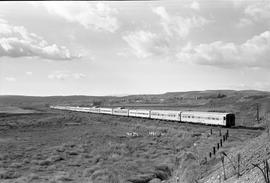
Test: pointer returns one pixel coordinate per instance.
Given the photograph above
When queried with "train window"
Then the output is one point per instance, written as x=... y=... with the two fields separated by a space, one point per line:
x=224 y=118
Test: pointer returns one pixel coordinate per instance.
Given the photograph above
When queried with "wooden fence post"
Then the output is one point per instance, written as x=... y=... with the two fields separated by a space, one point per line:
x=222 y=160
x=238 y=164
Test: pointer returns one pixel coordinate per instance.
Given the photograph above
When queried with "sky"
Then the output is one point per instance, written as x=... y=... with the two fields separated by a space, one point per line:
x=133 y=47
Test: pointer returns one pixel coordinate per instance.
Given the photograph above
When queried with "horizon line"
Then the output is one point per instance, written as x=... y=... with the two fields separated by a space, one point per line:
x=125 y=95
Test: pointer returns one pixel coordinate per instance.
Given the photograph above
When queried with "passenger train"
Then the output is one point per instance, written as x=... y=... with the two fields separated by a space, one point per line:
x=208 y=118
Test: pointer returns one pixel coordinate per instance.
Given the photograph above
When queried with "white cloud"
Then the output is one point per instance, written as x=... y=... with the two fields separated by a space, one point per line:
x=10 y=79
x=244 y=22
x=62 y=75
x=145 y=43
x=255 y=12
x=259 y=10
x=258 y=85
x=98 y=16
x=29 y=73
x=165 y=43
x=255 y=52
x=16 y=41
x=195 y=5
x=177 y=25
x=78 y=75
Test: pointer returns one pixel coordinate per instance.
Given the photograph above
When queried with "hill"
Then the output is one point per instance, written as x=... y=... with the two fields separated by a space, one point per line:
x=39 y=144
x=243 y=103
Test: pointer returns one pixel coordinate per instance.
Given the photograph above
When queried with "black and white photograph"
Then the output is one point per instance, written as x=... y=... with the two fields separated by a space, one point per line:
x=169 y=91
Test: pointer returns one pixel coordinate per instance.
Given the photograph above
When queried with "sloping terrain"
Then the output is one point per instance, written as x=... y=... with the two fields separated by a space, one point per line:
x=243 y=103
x=253 y=151
x=38 y=144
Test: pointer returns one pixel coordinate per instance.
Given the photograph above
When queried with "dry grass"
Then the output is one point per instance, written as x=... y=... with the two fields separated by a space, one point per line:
x=48 y=147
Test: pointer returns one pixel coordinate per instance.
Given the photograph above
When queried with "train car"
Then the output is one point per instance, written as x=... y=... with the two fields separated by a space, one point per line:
x=132 y=112
x=70 y=108
x=120 y=112
x=74 y=108
x=105 y=111
x=210 y=118
x=94 y=110
x=166 y=115
x=84 y=109
x=142 y=113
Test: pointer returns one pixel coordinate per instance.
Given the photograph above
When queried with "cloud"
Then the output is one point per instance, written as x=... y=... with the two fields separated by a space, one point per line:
x=62 y=75
x=255 y=12
x=29 y=73
x=244 y=22
x=78 y=75
x=258 y=85
x=10 y=79
x=177 y=25
x=255 y=52
x=97 y=16
x=16 y=41
x=195 y=5
x=145 y=43
x=259 y=11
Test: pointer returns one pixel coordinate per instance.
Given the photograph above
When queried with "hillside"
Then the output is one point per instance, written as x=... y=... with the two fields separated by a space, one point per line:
x=253 y=151
x=39 y=144
x=243 y=103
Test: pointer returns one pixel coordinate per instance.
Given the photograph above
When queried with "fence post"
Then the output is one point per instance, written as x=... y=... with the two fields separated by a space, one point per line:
x=238 y=164
x=222 y=160
x=220 y=142
x=210 y=154
x=220 y=132
x=214 y=150
x=211 y=131
x=267 y=169
x=217 y=146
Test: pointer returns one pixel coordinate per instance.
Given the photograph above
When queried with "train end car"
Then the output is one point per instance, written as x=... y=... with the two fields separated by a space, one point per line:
x=209 y=118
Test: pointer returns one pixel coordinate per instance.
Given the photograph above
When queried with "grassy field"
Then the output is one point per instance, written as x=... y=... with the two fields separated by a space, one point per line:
x=44 y=145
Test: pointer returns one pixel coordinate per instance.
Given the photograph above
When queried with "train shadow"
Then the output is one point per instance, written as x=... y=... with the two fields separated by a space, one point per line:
x=248 y=127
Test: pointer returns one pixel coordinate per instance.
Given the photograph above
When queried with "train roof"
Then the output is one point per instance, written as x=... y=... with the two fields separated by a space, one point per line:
x=206 y=113
x=166 y=110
